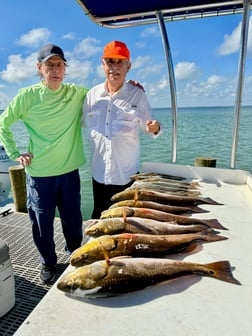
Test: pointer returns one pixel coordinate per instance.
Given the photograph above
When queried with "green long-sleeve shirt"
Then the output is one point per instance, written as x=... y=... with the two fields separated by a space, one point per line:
x=52 y=119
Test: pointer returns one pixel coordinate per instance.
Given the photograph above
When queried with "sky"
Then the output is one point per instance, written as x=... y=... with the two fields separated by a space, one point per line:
x=205 y=52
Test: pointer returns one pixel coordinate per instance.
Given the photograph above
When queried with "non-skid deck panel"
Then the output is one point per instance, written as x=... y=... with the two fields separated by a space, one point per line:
x=15 y=230
x=189 y=305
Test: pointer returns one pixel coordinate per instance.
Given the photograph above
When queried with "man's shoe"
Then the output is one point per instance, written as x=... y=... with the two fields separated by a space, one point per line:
x=47 y=273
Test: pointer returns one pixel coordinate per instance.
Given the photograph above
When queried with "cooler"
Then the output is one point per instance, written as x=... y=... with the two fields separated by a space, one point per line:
x=7 y=284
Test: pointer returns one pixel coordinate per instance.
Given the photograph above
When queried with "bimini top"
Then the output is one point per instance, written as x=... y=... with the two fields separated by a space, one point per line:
x=132 y=12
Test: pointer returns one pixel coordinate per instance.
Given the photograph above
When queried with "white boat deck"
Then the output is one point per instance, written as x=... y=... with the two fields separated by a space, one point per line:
x=190 y=305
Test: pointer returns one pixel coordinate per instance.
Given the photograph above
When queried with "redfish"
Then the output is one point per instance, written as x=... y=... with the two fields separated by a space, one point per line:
x=170 y=181
x=150 y=195
x=140 y=176
x=158 y=215
x=165 y=188
x=158 y=206
x=137 y=245
x=109 y=226
x=123 y=274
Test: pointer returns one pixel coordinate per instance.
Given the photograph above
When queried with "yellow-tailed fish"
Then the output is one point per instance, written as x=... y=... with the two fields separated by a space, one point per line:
x=153 y=174
x=159 y=206
x=164 y=188
x=159 y=179
x=110 y=226
x=137 y=245
x=159 y=215
x=124 y=274
x=150 y=195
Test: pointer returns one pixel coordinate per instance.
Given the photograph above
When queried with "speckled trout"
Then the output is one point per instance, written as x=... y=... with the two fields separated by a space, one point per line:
x=159 y=215
x=124 y=274
x=137 y=245
x=109 y=226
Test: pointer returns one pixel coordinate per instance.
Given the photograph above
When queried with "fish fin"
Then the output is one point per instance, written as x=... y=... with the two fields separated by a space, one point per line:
x=222 y=270
x=192 y=247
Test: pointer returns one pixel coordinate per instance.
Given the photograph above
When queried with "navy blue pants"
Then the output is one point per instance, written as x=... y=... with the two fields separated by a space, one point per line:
x=44 y=195
x=102 y=194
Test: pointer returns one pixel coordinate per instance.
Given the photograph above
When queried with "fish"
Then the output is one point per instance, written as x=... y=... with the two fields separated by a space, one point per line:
x=153 y=174
x=164 y=187
x=136 y=245
x=159 y=215
x=159 y=206
x=157 y=177
x=150 y=195
x=192 y=184
x=121 y=275
x=110 y=226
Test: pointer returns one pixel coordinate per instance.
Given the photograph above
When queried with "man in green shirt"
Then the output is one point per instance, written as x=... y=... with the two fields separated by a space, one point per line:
x=51 y=112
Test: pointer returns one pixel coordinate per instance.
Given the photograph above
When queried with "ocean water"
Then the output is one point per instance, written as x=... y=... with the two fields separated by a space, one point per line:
x=201 y=131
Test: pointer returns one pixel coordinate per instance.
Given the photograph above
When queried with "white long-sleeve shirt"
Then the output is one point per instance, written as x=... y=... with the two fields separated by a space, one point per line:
x=113 y=123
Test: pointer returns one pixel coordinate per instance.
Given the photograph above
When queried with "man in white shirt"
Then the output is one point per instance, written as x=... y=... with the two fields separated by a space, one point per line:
x=114 y=111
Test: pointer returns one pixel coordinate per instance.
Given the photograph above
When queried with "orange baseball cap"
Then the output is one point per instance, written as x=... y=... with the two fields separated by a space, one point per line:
x=116 y=49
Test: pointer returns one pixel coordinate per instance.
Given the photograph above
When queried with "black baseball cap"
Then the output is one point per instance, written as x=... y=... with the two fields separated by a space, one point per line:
x=48 y=51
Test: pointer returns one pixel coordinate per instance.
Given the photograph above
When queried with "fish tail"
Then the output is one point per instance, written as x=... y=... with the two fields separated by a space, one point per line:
x=209 y=200
x=215 y=224
x=222 y=270
x=211 y=235
x=197 y=209
x=195 y=185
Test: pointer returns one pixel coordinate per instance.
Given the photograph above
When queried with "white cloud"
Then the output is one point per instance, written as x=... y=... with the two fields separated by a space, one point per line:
x=186 y=70
x=163 y=83
x=231 y=42
x=140 y=61
x=34 y=37
x=78 y=70
x=100 y=72
x=155 y=69
x=150 y=31
x=88 y=47
x=215 y=89
x=140 y=45
x=69 y=36
x=19 y=69
x=215 y=80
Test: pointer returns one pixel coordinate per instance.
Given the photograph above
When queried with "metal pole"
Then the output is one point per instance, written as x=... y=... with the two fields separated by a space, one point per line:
x=172 y=84
x=243 y=49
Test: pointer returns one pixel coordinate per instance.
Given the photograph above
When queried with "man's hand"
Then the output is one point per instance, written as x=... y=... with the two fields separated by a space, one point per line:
x=152 y=126
x=25 y=159
x=135 y=83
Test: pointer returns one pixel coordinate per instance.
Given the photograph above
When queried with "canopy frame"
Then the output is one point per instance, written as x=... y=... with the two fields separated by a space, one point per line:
x=133 y=13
